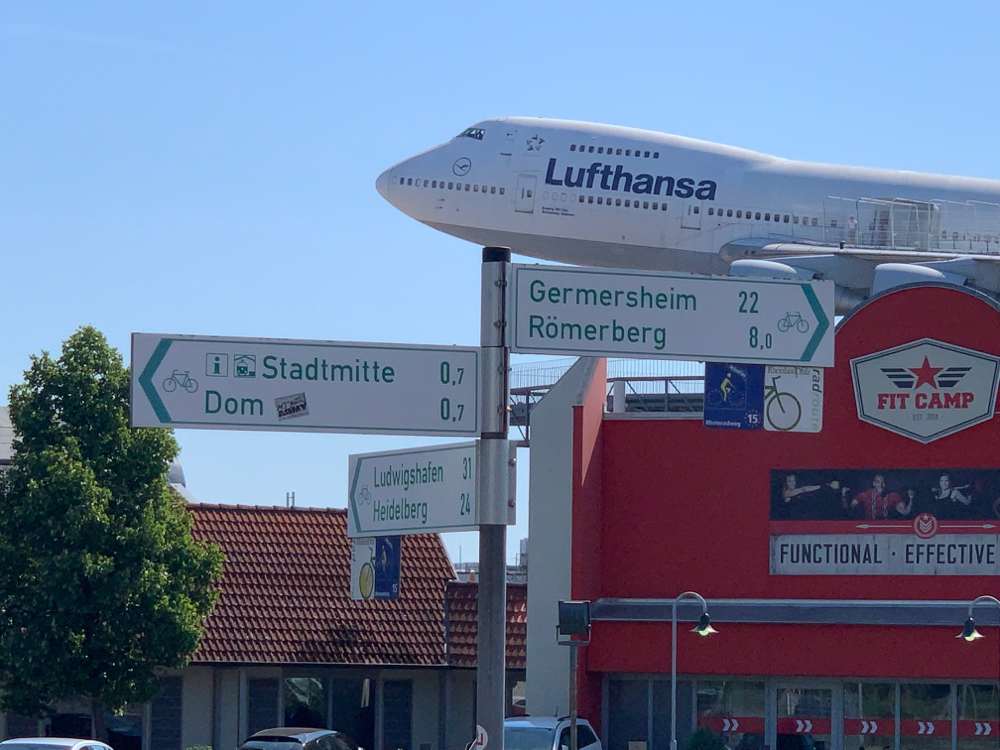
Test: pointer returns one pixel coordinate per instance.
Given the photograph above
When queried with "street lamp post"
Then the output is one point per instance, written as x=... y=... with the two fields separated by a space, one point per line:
x=970 y=633
x=704 y=627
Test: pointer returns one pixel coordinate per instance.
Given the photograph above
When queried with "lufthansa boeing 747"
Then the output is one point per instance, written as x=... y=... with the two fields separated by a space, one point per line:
x=602 y=195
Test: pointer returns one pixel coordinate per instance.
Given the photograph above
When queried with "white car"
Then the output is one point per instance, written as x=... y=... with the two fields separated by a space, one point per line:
x=547 y=733
x=52 y=743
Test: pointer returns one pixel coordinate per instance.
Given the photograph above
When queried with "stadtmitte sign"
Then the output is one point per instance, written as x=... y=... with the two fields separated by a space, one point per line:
x=925 y=389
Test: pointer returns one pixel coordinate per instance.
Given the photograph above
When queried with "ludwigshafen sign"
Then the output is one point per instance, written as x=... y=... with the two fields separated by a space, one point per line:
x=925 y=389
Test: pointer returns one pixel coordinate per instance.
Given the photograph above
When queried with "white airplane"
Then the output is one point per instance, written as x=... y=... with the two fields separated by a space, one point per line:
x=603 y=195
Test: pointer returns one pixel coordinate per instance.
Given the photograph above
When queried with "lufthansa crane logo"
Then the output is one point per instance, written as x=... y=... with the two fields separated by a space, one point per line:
x=462 y=167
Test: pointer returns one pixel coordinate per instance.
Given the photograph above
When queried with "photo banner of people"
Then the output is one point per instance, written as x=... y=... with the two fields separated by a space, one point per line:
x=885 y=521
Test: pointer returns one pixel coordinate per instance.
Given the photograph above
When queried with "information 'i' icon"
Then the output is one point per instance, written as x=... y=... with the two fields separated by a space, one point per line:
x=217 y=365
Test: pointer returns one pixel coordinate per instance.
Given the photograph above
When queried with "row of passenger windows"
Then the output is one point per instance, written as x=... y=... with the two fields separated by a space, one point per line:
x=756 y=216
x=440 y=184
x=602 y=201
x=629 y=203
x=617 y=152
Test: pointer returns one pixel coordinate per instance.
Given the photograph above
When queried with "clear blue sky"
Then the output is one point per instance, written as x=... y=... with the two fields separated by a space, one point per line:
x=209 y=168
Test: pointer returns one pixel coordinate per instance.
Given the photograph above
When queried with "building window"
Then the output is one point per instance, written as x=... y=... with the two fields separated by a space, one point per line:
x=305 y=702
x=398 y=717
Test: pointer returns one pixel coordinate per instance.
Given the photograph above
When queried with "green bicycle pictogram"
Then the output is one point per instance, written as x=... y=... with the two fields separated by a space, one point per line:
x=789 y=410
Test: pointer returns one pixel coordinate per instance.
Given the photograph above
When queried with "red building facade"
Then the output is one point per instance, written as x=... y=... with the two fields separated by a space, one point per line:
x=837 y=614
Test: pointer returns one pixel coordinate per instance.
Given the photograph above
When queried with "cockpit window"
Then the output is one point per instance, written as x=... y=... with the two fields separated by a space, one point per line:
x=476 y=133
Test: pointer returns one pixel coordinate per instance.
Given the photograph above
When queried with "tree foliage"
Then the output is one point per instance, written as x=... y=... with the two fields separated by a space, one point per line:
x=101 y=583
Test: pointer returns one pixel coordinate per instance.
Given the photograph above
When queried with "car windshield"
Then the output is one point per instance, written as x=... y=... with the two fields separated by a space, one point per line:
x=27 y=745
x=527 y=738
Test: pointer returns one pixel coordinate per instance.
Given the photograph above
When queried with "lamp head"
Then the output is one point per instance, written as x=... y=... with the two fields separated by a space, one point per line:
x=704 y=626
x=969 y=632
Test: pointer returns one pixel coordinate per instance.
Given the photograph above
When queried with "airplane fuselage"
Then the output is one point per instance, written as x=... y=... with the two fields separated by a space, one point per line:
x=610 y=196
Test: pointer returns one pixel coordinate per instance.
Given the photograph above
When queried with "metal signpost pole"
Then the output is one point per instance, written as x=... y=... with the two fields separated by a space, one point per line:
x=492 y=499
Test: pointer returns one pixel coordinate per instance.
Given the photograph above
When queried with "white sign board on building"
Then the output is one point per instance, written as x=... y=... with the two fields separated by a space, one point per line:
x=601 y=312
x=213 y=382
x=926 y=389
x=415 y=491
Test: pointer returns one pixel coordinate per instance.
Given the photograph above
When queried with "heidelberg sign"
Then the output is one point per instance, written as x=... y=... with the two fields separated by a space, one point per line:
x=925 y=389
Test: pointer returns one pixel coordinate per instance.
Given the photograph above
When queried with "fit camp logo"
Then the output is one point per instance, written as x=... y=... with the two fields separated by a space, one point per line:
x=925 y=389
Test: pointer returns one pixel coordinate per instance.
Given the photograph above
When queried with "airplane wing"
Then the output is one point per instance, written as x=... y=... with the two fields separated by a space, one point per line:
x=859 y=272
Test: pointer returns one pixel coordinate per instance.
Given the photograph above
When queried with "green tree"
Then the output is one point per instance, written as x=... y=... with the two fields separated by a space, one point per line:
x=102 y=585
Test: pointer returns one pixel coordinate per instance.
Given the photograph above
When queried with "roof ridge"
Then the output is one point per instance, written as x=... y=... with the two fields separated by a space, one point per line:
x=257 y=508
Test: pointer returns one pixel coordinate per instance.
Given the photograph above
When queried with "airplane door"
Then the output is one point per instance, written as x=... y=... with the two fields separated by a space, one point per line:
x=691 y=218
x=524 y=201
x=508 y=143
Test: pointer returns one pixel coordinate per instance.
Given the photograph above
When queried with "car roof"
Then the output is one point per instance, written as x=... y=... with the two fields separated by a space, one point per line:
x=546 y=722
x=302 y=734
x=57 y=741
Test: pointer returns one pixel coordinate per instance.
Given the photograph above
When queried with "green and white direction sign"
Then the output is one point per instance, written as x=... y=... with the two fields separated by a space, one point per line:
x=652 y=315
x=414 y=491
x=214 y=382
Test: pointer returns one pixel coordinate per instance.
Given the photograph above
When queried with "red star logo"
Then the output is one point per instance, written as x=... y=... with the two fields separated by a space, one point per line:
x=925 y=374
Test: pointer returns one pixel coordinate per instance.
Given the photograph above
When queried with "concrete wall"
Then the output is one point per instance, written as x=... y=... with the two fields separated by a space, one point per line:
x=550 y=524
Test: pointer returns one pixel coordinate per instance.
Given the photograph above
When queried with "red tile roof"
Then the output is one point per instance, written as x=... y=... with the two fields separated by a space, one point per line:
x=463 y=610
x=286 y=595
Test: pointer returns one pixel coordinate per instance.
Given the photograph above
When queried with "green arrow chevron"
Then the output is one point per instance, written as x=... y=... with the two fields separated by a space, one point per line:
x=146 y=381
x=822 y=323
x=350 y=496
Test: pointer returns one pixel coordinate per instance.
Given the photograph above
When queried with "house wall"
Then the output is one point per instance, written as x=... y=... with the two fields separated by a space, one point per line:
x=460 y=691
x=198 y=696
x=227 y=708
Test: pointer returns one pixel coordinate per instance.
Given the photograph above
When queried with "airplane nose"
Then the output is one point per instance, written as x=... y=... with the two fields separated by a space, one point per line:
x=382 y=184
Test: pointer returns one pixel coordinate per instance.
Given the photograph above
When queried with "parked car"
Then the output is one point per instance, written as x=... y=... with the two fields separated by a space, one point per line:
x=52 y=743
x=296 y=738
x=547 y=733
